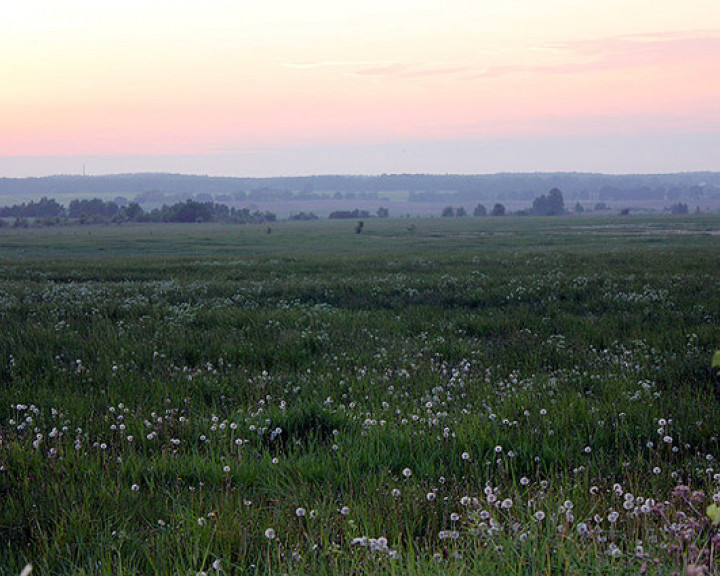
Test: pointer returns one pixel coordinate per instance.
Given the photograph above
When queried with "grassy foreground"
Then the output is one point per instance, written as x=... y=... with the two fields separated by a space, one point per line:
x=510 y=396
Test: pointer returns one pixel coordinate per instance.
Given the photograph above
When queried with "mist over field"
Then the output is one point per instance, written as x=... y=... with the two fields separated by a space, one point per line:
x=399 y=194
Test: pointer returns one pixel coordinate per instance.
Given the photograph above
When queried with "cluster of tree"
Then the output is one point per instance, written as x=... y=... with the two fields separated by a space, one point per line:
x=303 y=216
x=49 y=212
x=93 y=211
x=550 y=205
x=45 y=208
x=158 y=189
x=679 y=208
x=348 y=214
x=479 y=211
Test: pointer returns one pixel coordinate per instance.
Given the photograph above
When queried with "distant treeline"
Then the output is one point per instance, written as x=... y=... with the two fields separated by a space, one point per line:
x=48 y=211
x=157 y=189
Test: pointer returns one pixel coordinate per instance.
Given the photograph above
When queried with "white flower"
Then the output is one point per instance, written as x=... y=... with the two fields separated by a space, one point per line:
x=465 y=456
x=217 y=565
x=430 y=496
x=270 y=534
x=300 y=512
x=407 y=472
x=344 y=510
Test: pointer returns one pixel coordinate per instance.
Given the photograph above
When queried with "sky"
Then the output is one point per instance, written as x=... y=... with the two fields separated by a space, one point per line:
x=290 y=87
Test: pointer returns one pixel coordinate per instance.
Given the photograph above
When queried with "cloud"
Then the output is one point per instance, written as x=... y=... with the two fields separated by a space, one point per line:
x=621 y=52
x=335 y=64
x=571 y=57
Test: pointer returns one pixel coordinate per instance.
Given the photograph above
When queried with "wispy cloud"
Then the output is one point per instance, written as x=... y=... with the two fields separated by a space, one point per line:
x=336 y=64
x=572 y=57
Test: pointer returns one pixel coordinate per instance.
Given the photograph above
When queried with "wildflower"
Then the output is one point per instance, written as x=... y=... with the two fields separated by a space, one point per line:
x=300 y=512
x=713 y=512
x=454 y=517
x=465 y=456
x=217 y=565
x=134 y=487
x=270 y=534
x=430 y=496
x=507 y=503
x=539 y=515
x=345 y=511
x=407 y=472
x=716 y=361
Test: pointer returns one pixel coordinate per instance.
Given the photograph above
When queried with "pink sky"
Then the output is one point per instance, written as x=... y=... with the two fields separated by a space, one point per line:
x=324 y=87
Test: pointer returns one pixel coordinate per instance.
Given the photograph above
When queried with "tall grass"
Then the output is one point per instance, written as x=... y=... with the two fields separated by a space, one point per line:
x=515 y=397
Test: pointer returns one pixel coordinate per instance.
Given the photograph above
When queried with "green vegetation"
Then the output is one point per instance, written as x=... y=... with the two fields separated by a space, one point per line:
x=50 y=213
x=432 y=396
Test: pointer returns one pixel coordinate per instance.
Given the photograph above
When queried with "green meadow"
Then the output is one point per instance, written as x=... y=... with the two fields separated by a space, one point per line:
x=429 y=396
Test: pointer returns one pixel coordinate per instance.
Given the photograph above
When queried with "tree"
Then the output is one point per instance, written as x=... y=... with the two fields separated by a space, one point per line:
x=498 y=210
x=550 y=205
x=460 y=212
x=480 y=211
x=383 y=212
x=448 y=212
x=679 y=208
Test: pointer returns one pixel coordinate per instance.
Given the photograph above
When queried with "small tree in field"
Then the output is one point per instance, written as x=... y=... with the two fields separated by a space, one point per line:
x=498 y=210
x=480 y=211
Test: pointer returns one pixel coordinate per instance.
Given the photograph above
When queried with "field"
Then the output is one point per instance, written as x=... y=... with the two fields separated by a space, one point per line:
x=431 y=396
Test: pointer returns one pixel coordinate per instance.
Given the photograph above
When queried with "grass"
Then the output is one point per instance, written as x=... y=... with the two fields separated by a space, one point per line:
x=499 y=395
